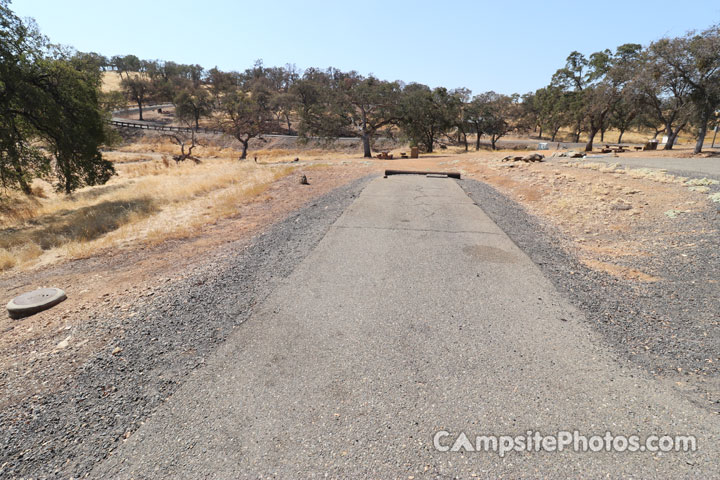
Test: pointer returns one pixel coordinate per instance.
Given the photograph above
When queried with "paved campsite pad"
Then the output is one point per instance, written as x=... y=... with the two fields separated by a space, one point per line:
x=35 y=301
x=414 y=314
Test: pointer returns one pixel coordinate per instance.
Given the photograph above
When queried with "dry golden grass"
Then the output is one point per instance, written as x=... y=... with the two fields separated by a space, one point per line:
x=146 y=202
x=111 y=81
x=630 y=136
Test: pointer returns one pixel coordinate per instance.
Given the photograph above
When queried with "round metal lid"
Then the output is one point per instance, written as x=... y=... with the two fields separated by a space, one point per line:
x=35 y=301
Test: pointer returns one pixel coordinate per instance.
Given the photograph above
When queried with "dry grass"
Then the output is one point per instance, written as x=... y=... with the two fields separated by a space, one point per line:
x=146 y=202
x=111 y=81
x=630 y=136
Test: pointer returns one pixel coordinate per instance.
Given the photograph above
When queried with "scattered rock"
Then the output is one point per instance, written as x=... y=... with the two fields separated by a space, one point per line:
x=620 y=205
x=535 y=157
x=572 y=154
x=64 y=343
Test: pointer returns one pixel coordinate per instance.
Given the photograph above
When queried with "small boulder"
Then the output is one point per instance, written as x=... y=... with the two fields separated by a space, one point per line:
x=620 y=205
x=535 y=157
x=572 y=154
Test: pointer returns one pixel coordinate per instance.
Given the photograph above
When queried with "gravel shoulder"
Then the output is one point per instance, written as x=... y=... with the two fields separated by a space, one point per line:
x=168 y=334
x=669 y=327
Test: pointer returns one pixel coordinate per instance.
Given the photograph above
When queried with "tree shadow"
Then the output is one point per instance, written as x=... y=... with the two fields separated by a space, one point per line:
x=83 y=224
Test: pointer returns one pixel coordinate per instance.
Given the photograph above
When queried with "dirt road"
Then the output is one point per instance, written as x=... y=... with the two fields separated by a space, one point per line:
x=414 y=319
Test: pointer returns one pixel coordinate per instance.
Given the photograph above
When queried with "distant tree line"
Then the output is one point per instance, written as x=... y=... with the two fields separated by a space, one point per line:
x=325 y=104
x=53 y=112
x=670 y=86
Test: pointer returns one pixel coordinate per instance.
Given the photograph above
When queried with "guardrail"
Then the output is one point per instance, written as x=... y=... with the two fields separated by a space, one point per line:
x=169 y=128
x=162 y=128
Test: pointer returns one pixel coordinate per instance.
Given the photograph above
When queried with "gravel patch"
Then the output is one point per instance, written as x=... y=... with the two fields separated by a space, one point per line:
x=670 y=327
x=171 y=333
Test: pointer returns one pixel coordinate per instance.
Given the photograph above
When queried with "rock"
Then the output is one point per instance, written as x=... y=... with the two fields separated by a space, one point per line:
x=572 y=154
x=621 y=206
x=116 y=350
x=535 y=157
x=304 y=180
x=64 y=343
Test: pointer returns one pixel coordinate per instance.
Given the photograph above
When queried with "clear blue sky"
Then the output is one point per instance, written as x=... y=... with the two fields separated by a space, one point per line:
x=506 y=46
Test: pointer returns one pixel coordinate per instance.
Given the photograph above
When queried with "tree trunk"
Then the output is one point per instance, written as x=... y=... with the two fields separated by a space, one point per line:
x=554 y=134
x=465 y=142
x=670 y=142
x=591 y=137
x=622 y=132
x=492 y=142
x=197 y=122
x=702 y=131
x=672 y=135
x=577 y=132
x=67 y=186
x=477 y=141
x=366 y=145
x=602 y=135
x=287 y=119
x=140 y=110
x=21 y=181
x=244 y=149
x=540 y=135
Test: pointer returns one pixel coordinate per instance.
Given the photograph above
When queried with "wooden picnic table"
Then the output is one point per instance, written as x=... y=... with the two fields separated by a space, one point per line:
x=615 y=147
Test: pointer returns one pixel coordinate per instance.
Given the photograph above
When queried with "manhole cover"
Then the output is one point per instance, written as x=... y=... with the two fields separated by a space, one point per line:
x=35 y=301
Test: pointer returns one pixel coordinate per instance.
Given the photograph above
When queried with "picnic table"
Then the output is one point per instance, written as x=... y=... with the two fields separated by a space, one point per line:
x=615 y=147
